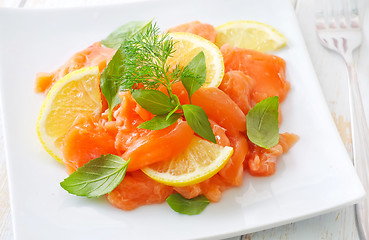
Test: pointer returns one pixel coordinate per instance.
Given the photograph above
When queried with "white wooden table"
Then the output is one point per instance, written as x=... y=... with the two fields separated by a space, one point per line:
x=338 y=225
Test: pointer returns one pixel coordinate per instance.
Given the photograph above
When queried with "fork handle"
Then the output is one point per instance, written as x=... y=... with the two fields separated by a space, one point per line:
x=360 y=148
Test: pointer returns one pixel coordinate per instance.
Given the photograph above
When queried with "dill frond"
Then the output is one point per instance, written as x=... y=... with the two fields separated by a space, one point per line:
x=144 y=60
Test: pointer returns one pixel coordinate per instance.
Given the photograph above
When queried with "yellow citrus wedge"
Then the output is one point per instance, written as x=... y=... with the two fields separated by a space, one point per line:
x=77 y=92
x=188 y=45
x=199 y=161
x=251 y=35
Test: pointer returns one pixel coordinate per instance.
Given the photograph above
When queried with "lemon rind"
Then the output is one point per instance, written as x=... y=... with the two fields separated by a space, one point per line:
x=204 y=43
x=279 y=38
x=46 y=141
x=192 y=178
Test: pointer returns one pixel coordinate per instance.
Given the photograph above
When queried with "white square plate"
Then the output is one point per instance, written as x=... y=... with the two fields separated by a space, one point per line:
x=315 y=177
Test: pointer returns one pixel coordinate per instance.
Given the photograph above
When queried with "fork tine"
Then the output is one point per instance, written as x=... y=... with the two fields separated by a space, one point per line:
x=339 y=14
x=354 y=15
x=320 y=22
x=331 y=14
x=344 y=18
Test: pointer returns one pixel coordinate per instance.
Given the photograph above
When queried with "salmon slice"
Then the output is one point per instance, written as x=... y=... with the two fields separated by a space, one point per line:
x=129 y=116
x=220 y=134
x=190 y=191
x=238 y=87
x=204 y=30
x=212 y=188
x=142 y=146
x=218 y=106
x=137 y=190
x=262 y=162
x=159 y=145
x=268 y=71
x=95 y=55
x=86 y=140
x=221 y=109
x=232 y=172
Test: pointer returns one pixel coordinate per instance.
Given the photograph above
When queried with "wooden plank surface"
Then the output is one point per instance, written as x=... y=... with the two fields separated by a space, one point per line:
x=338 y=225
x=6 y=232
x=5 y=219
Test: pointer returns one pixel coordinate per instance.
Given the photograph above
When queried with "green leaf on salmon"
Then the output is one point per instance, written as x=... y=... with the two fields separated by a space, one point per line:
x=153 y=101
x=194 y=74
x=108 y=81
x=191 y=206
x=198 y=121
x=262 y=123
x=160 y=122
x=116 y=38
x=97 y=177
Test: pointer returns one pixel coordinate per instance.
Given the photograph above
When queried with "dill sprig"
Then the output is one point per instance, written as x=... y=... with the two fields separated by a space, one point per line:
x=144 y=63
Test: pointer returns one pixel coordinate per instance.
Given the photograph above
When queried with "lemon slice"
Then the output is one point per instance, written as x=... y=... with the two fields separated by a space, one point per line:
x=188 y=45
x=251 y=35
x=77 y=92
x=199 y=161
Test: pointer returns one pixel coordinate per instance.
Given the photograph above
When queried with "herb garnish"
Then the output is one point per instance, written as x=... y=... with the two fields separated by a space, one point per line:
x=115 y=39
x=140 y=66
x=97 y=177
x=153 y=101
x=160 y=121
x=197 y=66
x=262 y=123
x=107 y=81
x=198 y=121
x=191 y=206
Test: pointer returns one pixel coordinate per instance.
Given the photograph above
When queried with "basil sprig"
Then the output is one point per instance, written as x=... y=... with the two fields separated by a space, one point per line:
x=262 y=123
x=165 y=108
x=97 y=177
x=183 y=205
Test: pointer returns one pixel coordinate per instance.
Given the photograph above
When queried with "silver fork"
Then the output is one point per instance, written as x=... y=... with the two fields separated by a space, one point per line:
x=340 y=31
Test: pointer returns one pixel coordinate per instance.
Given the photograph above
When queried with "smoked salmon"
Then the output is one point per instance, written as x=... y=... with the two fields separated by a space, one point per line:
x=250 y=76
x=204 y=30
x=267 y=71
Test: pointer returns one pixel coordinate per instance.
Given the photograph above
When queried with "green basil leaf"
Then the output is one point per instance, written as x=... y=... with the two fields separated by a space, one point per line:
x=115 y=39
x=192 y=206
x=262 y=123
x=198 y=121
x=97 y=177
x=108 y=80
x=153 y=101
x=113 y=72
x=160 y=122
x=194 y=74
